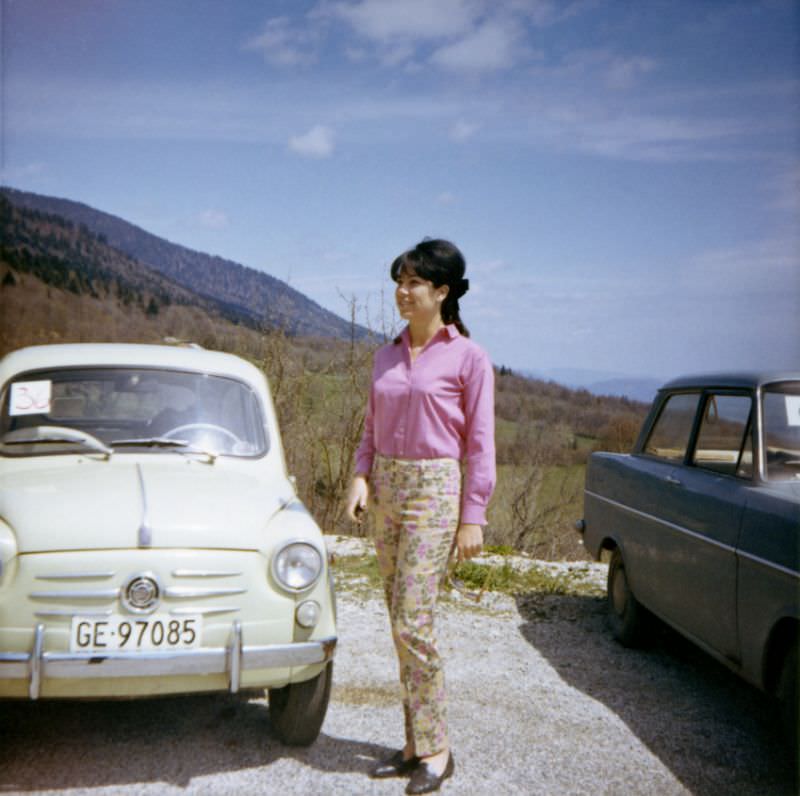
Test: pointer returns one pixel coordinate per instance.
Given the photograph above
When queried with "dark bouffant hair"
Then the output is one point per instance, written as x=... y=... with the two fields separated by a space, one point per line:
x=439 y=262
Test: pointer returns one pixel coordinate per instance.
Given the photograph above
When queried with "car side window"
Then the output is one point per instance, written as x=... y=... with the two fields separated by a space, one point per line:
x=722 y=438
x=669 y=437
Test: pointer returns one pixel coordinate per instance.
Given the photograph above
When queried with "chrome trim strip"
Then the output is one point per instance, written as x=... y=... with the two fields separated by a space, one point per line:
x=203 y=573
x=56 y=612
x=97 y=594
x=739 y=553
x=187 y=592
x=78 y=576
x=235 y=657
x=35 y=682
x=680 y=528
x=145 y=532
x=189 y=611
x=770 y=564
x=214 y=660
x=14 y=666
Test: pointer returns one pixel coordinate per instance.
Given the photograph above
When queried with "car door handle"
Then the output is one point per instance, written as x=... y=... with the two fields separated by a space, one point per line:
x=670 y=479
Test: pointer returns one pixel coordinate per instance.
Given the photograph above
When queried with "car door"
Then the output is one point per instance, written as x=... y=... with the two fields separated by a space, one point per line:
x=647 y=542
x=701 y=520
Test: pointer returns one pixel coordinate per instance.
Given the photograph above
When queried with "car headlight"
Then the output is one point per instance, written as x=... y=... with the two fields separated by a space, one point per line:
x=297 y=566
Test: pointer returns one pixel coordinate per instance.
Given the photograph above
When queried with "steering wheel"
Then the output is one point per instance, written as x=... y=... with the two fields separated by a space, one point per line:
x=201 y=427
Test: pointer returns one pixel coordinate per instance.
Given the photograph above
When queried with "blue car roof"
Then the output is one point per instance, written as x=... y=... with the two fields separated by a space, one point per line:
x=746 y=379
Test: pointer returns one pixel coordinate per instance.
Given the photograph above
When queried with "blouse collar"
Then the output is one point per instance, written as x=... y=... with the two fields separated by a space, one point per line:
x=449 y=330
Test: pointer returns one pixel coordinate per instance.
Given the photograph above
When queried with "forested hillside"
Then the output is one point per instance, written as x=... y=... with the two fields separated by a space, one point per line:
x=253 y=295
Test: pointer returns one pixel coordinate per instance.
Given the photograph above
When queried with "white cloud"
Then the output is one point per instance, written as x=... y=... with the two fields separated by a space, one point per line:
x=761 y=266
x=446 y=198
x=214 y=219
x=492 y=46
x=623 y=73
x=463 y=130
x=283 y=45
x=603 y=68
x=398 y=54
x=384 y=20
x=316 y=143
x=547 y=12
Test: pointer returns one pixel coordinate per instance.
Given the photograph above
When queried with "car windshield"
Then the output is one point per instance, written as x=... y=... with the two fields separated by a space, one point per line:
x=158 y=410
x=781 y=409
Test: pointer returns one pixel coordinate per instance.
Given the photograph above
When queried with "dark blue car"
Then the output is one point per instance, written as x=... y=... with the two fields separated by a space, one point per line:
x=702 y=523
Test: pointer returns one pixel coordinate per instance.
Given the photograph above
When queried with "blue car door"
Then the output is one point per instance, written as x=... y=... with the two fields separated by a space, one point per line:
x=701 y=518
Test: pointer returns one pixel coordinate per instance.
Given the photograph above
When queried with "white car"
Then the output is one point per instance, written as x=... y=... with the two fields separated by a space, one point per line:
x=151 y=540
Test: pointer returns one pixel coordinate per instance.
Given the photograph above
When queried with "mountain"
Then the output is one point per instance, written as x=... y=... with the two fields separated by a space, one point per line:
x=253 y=296
x=637 y=389
x=600 y=382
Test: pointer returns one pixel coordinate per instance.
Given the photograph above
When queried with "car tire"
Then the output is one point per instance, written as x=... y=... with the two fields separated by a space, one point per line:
x=788 y=692
x=626 y=616
x=297 y=710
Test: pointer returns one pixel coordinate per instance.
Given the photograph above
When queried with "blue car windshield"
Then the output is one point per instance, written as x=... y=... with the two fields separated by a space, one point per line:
x=781 y=410
x=152 y=409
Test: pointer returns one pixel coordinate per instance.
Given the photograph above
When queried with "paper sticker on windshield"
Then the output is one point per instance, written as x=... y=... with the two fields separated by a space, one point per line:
x=30 y=398
x=793 y=409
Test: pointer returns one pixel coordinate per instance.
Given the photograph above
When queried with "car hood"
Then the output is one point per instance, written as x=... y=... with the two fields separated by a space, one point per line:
x=109 y=505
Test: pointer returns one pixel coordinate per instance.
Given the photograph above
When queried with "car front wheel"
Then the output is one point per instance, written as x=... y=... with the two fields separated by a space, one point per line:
x=297 y=710
x=626 y=616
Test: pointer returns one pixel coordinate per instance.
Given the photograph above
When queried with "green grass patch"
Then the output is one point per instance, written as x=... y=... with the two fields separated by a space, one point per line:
x=509 y=580
x=360 y=575
x=499 y=550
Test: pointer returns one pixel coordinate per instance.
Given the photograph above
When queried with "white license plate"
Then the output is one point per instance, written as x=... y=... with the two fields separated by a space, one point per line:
x=131 y=634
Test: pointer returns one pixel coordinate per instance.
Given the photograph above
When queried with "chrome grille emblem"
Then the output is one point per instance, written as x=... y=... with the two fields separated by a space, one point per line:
x=141 y=593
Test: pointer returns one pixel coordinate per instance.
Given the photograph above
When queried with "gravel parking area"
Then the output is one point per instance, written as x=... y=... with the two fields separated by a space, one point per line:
x=542 y=701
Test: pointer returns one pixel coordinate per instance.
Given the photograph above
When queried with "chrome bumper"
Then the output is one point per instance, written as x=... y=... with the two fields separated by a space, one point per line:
x=36 y=665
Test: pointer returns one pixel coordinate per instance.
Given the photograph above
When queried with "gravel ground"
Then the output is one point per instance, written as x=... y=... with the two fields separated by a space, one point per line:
x=542 y=701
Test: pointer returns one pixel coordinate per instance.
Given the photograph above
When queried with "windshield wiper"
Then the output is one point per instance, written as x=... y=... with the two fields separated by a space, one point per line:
x=150 y=442
x=181 y=445
x=43 y=435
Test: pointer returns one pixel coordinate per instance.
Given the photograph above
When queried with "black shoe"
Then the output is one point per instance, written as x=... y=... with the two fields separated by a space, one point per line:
x=423 y=780
x=394 y=766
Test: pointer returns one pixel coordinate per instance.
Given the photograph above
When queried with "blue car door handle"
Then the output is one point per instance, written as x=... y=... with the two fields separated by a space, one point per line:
x=670 y=479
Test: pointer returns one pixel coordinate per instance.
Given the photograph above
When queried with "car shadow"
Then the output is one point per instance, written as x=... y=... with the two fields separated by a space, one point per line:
x=713 y=731
x=53 y=745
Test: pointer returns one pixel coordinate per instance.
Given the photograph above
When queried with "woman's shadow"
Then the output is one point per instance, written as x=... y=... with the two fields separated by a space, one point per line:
x=713 y=731
x=57 y=745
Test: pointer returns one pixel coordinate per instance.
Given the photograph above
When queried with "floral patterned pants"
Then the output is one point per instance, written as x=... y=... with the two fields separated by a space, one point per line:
x=417 y=506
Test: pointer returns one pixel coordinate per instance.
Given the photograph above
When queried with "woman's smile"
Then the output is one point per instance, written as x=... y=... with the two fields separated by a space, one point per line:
x=416 y=296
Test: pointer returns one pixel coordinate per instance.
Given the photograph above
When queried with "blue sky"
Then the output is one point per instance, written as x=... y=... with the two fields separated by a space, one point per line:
x=623 y=177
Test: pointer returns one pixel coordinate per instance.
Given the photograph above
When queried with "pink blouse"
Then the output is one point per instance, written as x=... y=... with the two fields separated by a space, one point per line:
x=439 y=406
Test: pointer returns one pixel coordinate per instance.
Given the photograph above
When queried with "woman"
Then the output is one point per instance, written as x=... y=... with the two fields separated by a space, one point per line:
x=431 y=407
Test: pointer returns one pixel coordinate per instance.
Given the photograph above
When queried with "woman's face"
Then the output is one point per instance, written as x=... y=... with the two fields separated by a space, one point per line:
x=417 y=298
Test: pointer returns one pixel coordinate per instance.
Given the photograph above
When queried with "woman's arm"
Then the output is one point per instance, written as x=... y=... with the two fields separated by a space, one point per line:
x=358 y=495
x=480 y=475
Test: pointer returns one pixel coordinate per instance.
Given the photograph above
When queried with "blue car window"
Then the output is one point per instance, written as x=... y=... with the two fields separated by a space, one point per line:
x=721 y=436
x=669 y=438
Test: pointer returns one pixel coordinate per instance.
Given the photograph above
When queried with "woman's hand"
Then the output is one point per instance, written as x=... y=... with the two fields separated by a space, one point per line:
x=357 y=498
x=469 y=540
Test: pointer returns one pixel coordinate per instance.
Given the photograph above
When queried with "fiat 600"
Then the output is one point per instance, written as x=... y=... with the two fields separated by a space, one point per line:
x=151 y=541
